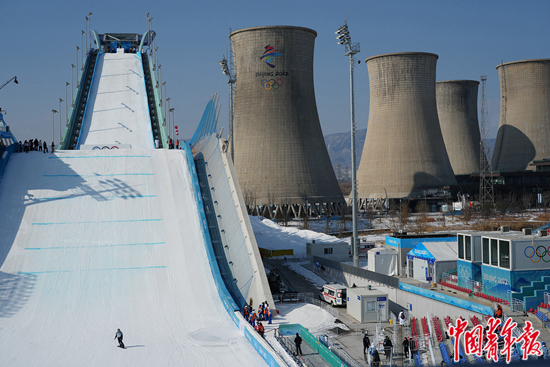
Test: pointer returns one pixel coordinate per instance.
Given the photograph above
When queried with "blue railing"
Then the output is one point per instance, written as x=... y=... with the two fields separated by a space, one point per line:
x=208 y=123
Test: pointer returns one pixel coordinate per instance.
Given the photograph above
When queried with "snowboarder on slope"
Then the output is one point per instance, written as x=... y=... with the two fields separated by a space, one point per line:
x=119 y=336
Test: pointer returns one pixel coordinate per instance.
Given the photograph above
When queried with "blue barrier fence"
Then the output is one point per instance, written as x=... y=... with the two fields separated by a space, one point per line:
x=472 y=306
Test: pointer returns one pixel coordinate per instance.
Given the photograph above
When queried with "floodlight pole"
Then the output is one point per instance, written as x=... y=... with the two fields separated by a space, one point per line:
x=66 y=107
x=60 y=137
x=231 y=81
x=53 y=125
x=351 y=50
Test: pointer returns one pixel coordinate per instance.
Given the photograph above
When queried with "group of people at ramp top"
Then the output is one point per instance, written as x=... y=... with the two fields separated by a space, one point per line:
x=34 y=145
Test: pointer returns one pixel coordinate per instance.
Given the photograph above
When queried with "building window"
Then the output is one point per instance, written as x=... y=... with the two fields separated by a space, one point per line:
x=410 y=264
x=494 y=252
x=468 y=246
x=504 y=254
x=486 y=251
x=371 y=306
x=328 y=251
x=460 y=247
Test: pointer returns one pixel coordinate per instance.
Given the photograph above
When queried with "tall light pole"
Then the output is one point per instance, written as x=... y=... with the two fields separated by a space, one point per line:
x=173 y=121
x=60 y=137
x=159 y=76
x=150 y=23
x=90 y=28
x=167 y=103
x=161 y=95
x=53 y=125
x=66 y=113
x=81 y=67
x=72 y=83
x=231 y=81
x=344 y=38
x=81 y=52
x=87 y=19
x=155 y=59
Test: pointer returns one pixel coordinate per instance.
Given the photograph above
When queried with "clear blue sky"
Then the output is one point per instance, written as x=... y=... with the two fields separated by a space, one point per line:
x=470 y=37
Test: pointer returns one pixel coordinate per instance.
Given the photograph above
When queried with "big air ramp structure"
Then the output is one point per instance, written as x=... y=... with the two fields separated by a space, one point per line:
x=404 y=149
x=95 y=240
x=457 y=112
x=280 y=155
x=524 y=130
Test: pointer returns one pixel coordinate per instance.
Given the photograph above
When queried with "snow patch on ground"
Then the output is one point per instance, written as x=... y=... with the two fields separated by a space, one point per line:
x=271 y=236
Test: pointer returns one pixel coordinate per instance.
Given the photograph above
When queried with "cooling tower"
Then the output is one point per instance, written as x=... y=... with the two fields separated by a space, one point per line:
x=524 y=128
x=404 y=148
x=457 y=111
x=280 y=153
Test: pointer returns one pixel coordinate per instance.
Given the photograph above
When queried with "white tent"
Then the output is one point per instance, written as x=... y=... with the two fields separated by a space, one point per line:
x=428 y=260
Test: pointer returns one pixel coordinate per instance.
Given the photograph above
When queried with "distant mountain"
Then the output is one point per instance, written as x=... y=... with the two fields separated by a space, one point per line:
x=339 y=150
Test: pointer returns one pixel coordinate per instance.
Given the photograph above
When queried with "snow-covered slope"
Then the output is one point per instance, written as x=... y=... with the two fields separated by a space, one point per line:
x=92 y=241
x=117 y=111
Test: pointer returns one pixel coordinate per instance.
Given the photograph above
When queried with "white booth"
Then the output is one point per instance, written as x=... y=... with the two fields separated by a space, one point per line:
x=383 y=260
x=367 y=305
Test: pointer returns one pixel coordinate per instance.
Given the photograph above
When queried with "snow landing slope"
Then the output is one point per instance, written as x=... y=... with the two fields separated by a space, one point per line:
x=117 y=111
x=92 y=241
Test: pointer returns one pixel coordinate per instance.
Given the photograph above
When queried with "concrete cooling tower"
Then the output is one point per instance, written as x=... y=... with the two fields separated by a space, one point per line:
x=404 y=148
x=524 y=128
x=280 y=153
x=457 y=111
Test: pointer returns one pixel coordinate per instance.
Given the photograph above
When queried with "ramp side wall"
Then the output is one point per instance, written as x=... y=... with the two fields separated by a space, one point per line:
x=240 y=244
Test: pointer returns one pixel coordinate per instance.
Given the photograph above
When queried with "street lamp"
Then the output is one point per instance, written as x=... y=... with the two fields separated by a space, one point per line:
x=81 y=66
x=66 y=113
x=82 y=52
x=344 y=38
x=173 y=121
x=87 y=19
x=60 y=137
x=168 y=103
x=90 y=27
x=53 y=125
x=159 y=76
x=72 y=83
x=161 y=95
x=231 y=81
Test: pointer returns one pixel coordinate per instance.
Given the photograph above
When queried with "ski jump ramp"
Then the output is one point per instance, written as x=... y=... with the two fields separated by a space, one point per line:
x=117 y=111
x=95 y=240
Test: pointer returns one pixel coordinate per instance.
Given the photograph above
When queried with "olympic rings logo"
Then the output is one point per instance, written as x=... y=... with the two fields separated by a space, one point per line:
x=272 y=83
x=464 y=271
x=105 y=147
x=543 y=254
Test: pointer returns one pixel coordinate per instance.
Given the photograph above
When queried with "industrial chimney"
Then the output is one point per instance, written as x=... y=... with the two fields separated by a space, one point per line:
x=404 y=149
x=280 y=153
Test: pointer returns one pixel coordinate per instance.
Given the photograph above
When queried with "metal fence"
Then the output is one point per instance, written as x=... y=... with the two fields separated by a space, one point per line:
x=338 y=352
x=290 y=348
x=359 y=272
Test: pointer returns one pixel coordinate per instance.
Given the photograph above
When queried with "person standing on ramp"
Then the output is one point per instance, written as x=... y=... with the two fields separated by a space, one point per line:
x=298 y=342
x=119 y=336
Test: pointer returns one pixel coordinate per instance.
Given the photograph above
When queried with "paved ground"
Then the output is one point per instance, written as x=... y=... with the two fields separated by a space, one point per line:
x=351 y=341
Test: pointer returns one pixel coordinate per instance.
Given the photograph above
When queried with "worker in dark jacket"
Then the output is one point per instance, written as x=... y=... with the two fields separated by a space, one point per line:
x=298 y=342
x=387 y=347
x=366 y=343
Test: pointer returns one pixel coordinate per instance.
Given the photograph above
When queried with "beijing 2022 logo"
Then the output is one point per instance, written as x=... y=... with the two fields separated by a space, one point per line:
x=269 y=54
